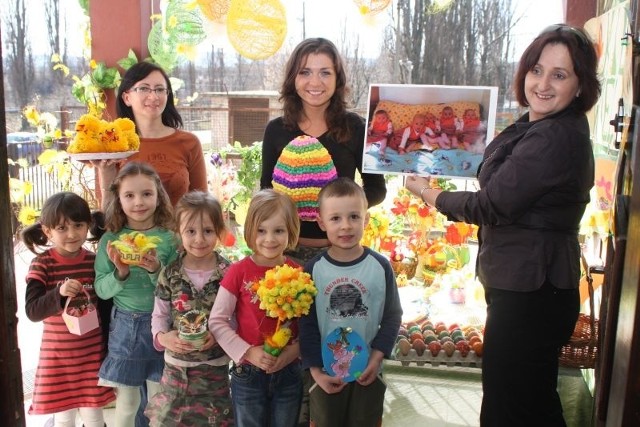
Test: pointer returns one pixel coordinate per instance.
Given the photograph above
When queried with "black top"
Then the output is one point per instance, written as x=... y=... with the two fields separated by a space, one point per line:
x=534 y=187
x=347 y=158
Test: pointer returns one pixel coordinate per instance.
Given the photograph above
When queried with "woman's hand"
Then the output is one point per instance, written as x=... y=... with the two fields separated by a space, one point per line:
x=107 y=171
x=415 y=183
x=421 y=188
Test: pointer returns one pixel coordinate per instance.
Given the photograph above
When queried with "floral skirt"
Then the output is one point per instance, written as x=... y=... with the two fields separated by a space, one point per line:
x=195 y=396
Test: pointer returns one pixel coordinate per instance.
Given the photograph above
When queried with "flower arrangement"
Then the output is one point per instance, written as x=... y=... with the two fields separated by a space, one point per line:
x=413 y=212
x=284 y=293
x=94 y=135
x=223 y=180
x=377 y=229
x=46 y=125
x=89 y=89
x=403 y=260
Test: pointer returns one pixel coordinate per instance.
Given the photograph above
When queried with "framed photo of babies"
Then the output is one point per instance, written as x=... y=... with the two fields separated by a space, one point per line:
x=428 y=130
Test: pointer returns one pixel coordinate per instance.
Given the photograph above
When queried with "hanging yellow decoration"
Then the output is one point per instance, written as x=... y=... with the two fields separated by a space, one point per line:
x=214 y=10
x=439 y=6
x=371 y=7
x=256 y=28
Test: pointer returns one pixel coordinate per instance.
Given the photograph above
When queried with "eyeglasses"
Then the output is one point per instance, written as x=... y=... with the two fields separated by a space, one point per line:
x=146 y=91
x=583 y=39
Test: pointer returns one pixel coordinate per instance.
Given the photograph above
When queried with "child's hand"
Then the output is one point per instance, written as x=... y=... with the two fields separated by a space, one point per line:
x=150 y=262
x=260 y=358
x=173 y=342
x=209 y=342
x=289 y=353
x=373 y=367
x=70 y=288
x=329 y=384
x=114 y=256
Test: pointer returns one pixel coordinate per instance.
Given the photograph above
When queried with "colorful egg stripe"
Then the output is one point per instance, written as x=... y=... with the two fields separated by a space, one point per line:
x=302 y=169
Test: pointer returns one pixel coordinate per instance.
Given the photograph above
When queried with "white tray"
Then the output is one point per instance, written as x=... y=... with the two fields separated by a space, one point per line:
x=455 y=359
x=102 y=156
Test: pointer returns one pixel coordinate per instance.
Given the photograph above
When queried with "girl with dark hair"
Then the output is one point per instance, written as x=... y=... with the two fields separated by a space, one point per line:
x=534 y=187
x=66 y=378
x=146 y=97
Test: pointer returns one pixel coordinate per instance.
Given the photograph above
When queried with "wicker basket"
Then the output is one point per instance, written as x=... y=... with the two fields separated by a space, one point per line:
x=582 y=349
x=408 y=268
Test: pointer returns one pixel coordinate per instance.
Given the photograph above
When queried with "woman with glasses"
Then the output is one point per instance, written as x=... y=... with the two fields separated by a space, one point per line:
x=145 y=96
x=534 y=186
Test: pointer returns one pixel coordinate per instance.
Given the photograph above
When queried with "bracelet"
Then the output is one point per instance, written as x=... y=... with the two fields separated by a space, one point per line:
x=422 y=196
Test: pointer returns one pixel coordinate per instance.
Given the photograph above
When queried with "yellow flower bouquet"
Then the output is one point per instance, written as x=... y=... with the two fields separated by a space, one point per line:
x=94 y=135
x=284 y=293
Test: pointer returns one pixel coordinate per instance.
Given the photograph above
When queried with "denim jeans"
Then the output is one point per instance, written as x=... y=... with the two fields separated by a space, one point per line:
x=131 y=358
x=260 y=399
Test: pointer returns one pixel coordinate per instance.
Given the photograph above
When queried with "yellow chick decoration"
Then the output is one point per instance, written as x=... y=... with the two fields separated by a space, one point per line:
x=94 y=135
x=402 y=280
x=276 y=342
x=133 y=246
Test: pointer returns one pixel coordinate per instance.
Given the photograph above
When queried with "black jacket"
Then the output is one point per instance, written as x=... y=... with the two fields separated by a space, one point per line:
x=534 y=187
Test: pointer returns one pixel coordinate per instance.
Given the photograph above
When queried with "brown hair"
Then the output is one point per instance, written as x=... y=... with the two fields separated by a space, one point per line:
x=196 y=205
x=342 y=187
x=116 y=218
x=264 y=205
x=336 y=113
x=583 y=57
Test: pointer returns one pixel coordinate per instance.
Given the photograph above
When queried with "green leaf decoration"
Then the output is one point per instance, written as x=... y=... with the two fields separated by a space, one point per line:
x=84 y=5
x=106 y=77
x=184 y=26
x=162 y=50
x=129 y=61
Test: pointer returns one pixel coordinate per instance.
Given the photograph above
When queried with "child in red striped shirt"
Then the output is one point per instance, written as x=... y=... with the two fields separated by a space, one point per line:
x=67 y=374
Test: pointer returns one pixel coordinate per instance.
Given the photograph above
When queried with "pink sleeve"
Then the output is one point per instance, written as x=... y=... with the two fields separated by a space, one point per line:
x=160 y=320
x=221 y=325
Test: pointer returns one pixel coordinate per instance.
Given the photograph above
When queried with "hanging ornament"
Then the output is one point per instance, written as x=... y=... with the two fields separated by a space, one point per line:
x=256 y=28
x=175 y=34
x=371 y=7
x=214 y=10
x=439 y=6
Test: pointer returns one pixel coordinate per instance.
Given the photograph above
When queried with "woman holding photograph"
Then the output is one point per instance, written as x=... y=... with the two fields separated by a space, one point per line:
x=534 y=186
x=314 y=97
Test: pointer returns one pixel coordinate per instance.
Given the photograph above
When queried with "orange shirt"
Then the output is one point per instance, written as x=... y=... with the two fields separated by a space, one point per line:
x=179 y=161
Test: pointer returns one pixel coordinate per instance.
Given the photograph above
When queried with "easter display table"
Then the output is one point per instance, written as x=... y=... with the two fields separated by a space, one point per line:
x=438 y=329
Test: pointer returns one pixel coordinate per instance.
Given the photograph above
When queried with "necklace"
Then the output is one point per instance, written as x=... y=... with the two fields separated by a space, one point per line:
x=142 y=229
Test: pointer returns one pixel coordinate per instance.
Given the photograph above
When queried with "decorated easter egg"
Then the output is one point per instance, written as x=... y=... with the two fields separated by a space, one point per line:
x=303 y=168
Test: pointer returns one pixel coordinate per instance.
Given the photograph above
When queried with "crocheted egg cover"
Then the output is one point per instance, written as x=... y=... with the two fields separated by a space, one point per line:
x=303 y=168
